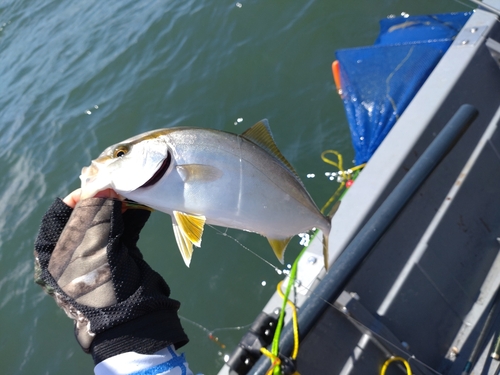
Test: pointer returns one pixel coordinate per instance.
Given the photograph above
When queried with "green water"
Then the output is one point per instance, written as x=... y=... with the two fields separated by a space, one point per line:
x=77 y=76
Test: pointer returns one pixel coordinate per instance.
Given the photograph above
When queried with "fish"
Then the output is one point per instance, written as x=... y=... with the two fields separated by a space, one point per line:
x=204 y=176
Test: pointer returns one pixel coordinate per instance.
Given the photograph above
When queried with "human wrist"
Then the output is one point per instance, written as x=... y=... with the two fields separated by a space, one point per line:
x=146 y=334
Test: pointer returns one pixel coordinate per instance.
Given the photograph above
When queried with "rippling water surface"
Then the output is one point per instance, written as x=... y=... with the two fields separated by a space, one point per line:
x=77 y=76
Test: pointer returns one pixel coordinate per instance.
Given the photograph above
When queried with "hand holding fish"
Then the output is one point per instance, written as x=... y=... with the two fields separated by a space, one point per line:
x=86 y=257
x=74 y=197
x=202 y=176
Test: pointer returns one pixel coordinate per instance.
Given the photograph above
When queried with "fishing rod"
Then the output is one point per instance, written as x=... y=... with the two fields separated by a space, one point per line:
x=349 y=261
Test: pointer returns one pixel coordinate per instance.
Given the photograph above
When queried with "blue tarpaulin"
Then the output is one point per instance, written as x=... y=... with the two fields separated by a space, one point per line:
x=378 y=82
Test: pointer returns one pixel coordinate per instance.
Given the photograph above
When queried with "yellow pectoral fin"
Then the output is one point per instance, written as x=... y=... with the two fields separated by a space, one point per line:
x=279 y=247
x=191 y=226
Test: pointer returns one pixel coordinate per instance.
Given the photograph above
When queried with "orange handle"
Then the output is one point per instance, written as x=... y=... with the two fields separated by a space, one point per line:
x=336 y=76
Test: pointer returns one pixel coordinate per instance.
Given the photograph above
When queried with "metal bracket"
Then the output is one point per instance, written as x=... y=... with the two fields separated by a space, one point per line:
x=469 y=36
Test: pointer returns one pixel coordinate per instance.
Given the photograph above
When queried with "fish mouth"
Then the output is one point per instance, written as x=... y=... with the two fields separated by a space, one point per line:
x=159 y=173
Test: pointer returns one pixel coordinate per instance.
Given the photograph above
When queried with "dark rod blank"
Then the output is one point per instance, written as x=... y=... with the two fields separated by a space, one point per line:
x=348 y=262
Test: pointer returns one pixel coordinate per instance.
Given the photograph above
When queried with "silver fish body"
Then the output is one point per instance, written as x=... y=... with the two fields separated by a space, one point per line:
x=203 y=176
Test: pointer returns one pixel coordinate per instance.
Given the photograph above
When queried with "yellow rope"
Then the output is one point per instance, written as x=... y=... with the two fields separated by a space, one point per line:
x=328 y=161
x=395 y=359
x=294 y=323
x=345 y=174
x=333 y=197
x=274 y=359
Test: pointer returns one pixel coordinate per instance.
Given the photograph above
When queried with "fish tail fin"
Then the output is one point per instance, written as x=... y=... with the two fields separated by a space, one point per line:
x=326 y=233
x=279 y=247
x=325 y=249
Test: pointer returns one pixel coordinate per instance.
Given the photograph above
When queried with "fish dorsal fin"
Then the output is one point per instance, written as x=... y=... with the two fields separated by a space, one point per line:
x=261 y=135
x=279 y=247
x=188 y=230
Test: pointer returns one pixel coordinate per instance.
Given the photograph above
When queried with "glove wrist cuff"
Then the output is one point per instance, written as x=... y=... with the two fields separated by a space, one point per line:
x=144 y=335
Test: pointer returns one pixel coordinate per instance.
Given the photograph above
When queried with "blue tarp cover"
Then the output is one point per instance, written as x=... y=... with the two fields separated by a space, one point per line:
x=378 y=82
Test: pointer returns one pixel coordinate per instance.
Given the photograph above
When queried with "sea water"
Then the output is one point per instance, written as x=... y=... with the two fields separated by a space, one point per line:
x=77 y=76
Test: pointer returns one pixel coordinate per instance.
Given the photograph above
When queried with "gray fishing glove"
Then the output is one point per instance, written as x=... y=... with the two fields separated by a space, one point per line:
x=87 y=259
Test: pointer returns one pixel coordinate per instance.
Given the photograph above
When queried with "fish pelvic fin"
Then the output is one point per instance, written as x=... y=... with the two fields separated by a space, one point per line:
x=260 y=134
x=185 y=247
x=188 y=230
x=279 y=247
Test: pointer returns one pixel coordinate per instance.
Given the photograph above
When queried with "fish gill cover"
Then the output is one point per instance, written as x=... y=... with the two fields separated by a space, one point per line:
x=378 y=82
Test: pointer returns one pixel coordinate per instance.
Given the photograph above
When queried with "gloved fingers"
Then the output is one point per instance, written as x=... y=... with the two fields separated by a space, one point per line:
x=51 y=227
x=79 y=262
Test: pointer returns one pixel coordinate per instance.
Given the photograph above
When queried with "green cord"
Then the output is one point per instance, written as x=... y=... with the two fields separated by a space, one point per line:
x=291 y=280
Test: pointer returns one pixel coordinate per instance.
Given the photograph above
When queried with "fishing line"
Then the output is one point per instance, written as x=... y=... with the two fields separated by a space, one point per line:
x=225 y=234
x=465 y=4
x=211 y=333
x=409 y=356
x=486 y=6
x=396 y=348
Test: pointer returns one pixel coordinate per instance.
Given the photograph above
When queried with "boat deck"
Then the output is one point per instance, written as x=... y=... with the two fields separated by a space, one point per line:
x=427 y=286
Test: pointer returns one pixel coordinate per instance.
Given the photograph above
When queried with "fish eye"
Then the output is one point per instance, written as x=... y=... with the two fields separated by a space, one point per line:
x=120 y=151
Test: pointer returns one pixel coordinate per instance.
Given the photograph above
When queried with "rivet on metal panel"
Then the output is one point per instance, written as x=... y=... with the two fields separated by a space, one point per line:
x=469 y=36
x=311 y=260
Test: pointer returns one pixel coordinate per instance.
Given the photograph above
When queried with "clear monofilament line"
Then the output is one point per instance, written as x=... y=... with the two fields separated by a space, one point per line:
x=225 y=234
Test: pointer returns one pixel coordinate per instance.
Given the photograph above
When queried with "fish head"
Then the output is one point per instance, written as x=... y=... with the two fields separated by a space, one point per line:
x=124 y=167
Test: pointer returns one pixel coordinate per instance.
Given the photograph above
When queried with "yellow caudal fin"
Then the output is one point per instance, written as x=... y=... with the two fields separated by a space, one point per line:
x=279 y=246
x=326 y=233
x=188 y=230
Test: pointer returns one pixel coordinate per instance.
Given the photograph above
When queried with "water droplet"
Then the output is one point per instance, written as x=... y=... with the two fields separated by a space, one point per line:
x=304 y=239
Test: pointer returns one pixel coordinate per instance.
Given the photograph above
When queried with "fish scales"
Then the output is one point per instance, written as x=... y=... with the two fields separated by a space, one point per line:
x=214 y=177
